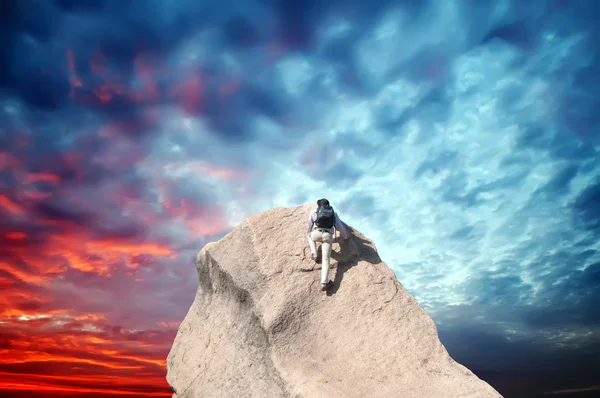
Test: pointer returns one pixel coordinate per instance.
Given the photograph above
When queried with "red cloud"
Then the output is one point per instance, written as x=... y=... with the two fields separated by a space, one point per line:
x=47 y=344
x=10 y=206
x=68 y=354
x=47 y=177
x=67 y=281
x=92 y=290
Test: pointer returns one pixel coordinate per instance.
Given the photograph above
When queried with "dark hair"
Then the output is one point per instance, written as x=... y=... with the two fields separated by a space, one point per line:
x=322 y=202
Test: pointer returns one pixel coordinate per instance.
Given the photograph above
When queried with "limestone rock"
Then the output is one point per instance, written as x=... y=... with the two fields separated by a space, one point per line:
x=260 y=326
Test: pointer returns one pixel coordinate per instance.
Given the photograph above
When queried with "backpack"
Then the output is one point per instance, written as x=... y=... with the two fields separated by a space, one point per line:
x=325 y=217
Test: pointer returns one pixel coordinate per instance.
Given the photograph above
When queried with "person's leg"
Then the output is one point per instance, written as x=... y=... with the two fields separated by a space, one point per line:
x=311 y=243
x=326 y=252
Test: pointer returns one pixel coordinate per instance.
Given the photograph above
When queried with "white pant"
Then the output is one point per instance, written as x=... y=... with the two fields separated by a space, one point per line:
x=326 y=239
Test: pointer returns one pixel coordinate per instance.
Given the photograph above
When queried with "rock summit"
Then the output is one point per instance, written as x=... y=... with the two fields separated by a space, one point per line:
x=260 y=326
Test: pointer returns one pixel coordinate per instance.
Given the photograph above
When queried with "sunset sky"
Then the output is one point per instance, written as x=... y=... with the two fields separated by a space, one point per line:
x=461 y=136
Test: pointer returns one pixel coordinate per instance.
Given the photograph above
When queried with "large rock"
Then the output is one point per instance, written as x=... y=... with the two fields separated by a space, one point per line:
x=260 y=326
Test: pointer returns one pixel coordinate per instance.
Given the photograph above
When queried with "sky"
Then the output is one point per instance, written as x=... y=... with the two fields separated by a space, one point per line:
x=462 y=137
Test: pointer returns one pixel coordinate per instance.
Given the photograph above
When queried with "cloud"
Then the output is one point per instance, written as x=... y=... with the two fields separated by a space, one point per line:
x=521 y=367
x=462 y=140
x=586 y=207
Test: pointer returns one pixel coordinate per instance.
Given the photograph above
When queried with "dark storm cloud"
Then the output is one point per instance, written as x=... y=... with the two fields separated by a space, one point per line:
x=568 y=297
x=111 y=48
x=521 y=367
x=565 y=295
x=500 y=289
x=586 y=208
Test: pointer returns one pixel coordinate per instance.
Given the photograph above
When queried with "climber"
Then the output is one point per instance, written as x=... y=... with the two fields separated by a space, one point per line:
x=321 y=224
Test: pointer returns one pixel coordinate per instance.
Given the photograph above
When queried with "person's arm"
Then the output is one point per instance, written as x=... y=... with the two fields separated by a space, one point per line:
x=310 y=222
x=340 y=227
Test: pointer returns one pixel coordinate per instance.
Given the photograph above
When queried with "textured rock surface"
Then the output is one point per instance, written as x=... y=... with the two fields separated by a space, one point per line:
x=260 y=326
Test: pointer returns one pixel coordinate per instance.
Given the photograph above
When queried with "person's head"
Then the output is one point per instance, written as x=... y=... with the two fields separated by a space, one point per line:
x=322 y=202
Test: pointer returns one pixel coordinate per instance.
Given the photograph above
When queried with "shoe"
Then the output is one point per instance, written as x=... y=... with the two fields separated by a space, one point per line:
x=327 y=286
x=314 y=258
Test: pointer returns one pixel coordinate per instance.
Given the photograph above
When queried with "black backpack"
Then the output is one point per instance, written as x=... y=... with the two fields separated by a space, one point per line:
x=325 y=217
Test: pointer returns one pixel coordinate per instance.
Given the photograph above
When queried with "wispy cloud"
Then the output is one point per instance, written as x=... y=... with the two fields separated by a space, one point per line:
x=461 y=138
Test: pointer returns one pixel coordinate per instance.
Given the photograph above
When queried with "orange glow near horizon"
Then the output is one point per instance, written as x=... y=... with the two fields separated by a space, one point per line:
x=66 y=355
x=48 y=344
x=92 y=286
x=110 y=385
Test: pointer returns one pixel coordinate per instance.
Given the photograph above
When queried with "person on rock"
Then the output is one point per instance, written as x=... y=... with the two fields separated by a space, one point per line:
x=321 y=224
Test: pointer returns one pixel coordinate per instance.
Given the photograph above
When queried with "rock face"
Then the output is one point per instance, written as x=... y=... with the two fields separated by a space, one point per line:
x=260 y=326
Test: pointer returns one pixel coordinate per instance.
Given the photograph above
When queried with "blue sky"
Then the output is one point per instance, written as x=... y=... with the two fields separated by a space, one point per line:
x=461 y=136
